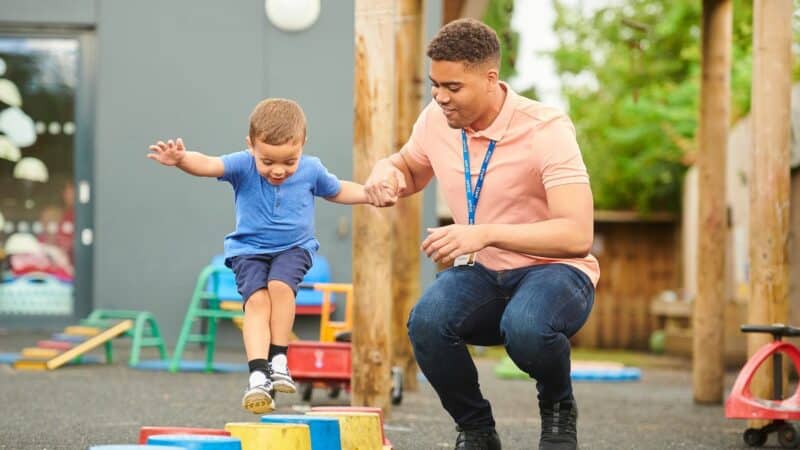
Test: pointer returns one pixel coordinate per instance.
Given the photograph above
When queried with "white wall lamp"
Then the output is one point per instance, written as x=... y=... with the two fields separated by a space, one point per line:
x=292 y=15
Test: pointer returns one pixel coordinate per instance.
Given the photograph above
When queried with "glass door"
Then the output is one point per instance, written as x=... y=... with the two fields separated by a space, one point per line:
x=42 y=155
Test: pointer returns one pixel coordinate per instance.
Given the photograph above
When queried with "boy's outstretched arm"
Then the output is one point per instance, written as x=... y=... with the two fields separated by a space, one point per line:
x=173 y=153
x=350 y=194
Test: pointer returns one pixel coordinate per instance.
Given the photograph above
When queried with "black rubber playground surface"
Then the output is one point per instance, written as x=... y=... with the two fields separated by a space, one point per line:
x=78 y=406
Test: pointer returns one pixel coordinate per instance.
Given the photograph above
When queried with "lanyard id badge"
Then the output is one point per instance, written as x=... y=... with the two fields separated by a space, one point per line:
x=472 y=195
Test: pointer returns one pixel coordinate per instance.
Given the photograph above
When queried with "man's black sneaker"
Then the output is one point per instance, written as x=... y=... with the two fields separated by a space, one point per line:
x=559 y=425
x=482 y=439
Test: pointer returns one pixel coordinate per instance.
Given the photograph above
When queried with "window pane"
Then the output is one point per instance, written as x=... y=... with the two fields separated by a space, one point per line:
x=38 y=80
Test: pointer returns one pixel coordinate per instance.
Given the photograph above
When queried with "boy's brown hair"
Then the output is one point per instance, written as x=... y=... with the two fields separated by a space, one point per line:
x=465 y=40
x=276 y=121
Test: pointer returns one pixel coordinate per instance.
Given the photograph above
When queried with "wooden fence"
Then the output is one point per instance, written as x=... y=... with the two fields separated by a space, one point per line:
x=639 y=258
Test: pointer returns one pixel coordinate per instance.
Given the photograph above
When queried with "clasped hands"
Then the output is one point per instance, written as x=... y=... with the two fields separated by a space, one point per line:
x=443 y=244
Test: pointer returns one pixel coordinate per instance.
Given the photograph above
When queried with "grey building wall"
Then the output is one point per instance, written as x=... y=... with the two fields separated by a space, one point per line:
x=195 y=69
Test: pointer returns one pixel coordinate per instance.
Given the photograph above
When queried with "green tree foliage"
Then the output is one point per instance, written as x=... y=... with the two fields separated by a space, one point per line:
x=631 y=75
x=498 y=16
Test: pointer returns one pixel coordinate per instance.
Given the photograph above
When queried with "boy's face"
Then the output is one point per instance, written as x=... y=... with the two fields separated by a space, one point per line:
x=276 y=163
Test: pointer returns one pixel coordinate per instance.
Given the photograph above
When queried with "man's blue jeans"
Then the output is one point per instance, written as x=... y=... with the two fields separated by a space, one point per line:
x=532 y=311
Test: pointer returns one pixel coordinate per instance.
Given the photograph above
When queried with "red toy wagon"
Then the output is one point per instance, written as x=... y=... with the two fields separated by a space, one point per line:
x=328 y=362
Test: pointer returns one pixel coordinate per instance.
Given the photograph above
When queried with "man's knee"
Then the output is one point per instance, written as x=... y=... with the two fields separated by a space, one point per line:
x=525 y=337
x=426 y=320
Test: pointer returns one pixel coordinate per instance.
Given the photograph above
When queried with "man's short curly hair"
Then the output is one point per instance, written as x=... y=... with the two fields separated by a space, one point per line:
x=465 y=40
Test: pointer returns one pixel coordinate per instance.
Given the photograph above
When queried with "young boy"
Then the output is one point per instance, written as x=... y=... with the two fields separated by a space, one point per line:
x=270 y=250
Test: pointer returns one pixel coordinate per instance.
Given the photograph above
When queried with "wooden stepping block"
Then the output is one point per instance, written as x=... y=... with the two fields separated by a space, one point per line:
x=370 y=409
x=359 y=430
x=36 y=352
x=147 y=431
x=269 y=436
x=64 y=337
x=135 y=447
x=32 y=364
x=324 y=430
x=58 y=345
x=196 y=441
x=78 y=350
x=78 y=330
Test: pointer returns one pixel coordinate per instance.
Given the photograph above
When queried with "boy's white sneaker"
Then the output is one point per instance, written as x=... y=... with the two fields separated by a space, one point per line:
x=258 y=399
x=279 y=375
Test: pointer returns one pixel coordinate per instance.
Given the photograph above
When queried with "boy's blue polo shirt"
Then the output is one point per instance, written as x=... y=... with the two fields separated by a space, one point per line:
x=270 y=219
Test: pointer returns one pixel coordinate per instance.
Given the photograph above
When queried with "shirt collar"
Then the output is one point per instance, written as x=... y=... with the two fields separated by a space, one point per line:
x=498 y=127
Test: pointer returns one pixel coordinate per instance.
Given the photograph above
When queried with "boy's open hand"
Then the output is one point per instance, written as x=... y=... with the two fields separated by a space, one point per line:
x=170 y=153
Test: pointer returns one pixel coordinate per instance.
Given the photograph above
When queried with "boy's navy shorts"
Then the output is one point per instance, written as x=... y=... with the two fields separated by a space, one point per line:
x=253 y=272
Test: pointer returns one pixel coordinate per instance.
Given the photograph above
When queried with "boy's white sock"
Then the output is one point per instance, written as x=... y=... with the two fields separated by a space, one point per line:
x=257 y=378
x=279 y=363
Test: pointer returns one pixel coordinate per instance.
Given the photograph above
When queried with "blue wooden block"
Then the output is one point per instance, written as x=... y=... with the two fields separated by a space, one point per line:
x=324 y=430
x=63 y=337
x=190 y=366
x=607 y=375
x=196 y=441
x=134 y=447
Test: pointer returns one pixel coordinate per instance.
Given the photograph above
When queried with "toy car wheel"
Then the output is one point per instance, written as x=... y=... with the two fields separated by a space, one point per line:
x=397 y=386
x=334 y=392
x=788 y=436
x=754 y=437
x=305 y=391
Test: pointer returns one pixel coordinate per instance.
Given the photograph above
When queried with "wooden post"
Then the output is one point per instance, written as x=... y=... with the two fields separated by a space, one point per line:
x=451 y=10
x=456 y=9
x=769 y=181
x=373 y=139
x=709 y=307
x=406 y=227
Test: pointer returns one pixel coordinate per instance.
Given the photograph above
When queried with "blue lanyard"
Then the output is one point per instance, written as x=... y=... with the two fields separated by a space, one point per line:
x=472 y=196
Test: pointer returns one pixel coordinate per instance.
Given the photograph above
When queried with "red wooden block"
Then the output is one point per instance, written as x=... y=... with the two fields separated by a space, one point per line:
x=58 y=345
x=146 y=432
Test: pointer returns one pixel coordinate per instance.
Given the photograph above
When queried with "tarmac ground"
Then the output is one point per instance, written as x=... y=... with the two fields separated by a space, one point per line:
x=75 y=407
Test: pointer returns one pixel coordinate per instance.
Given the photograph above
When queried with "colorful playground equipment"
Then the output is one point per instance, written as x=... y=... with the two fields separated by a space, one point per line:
x=100 y=328
x=741 y=404
x=215 y=298
x=330 y=428
x=323 y=363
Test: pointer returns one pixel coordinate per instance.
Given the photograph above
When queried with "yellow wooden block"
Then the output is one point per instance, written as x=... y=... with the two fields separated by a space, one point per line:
x=359 y=430
x=37 y=352
x=271 y=436
x=238 y=321
x=29 y=364
x=78 y=330
x=231 y=306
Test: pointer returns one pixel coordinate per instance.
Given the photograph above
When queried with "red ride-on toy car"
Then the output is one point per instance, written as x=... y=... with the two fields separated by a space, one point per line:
x=742 y=405
x=327 y=362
